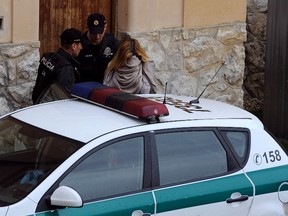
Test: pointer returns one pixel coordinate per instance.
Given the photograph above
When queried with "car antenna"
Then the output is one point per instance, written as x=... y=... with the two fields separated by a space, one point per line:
x=196 y=101
x=165 y=91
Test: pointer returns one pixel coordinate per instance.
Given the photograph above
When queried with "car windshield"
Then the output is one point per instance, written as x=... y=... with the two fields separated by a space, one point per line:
x=27 y=156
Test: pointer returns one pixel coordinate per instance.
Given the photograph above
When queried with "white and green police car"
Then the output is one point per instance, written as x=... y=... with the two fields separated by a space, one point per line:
x=105 y=152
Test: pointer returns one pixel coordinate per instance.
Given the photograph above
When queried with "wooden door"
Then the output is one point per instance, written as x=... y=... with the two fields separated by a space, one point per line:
x=56 y=16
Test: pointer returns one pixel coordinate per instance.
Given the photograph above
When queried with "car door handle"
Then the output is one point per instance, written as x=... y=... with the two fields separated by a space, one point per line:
x=239 y=199
x=140 y=213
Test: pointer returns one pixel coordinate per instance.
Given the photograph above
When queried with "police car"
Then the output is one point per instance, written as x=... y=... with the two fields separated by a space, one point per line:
x=106 y=152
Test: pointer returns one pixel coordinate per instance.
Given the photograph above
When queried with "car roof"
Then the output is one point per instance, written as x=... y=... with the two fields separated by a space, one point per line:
x=83 y=121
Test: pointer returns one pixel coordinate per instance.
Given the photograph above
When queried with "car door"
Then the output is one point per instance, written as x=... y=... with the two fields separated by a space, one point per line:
x=199 y=176
x=111 y=180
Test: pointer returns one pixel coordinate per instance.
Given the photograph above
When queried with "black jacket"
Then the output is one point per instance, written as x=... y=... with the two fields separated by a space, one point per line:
x=67 y=75
x=95 y=58
x=58 y=67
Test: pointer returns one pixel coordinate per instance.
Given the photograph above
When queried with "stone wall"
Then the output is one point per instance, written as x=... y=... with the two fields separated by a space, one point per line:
x=187 y=59
x=255 y=54
x=18 y=69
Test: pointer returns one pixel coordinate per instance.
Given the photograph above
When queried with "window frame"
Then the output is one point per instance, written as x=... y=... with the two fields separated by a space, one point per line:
x=241 y=162
x=232 y=163
x=110 y=171
x=147 y=185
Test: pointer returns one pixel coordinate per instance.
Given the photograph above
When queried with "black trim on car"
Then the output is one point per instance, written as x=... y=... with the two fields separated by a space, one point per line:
x=232 y=162
x=242 y=161
x=44 y=204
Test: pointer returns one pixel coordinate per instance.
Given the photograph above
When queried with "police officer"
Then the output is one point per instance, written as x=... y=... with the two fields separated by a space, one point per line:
x=99 y=48
x=60 y=66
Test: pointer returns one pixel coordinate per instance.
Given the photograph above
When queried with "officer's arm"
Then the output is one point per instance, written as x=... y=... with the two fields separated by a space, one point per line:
x=66 y=77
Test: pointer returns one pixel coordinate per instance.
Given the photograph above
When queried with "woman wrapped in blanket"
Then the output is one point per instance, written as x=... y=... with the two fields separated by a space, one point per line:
x=131 y=69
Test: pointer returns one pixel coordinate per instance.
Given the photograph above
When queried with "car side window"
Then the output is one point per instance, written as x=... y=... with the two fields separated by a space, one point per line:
x=190 y=155
x=239 y=141
x=115 y=169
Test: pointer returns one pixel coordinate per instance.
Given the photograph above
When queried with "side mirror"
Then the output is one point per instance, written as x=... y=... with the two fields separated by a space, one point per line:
x=66 y=197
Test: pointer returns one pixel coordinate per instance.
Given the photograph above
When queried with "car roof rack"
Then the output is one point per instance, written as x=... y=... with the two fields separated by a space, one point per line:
x=117 y=100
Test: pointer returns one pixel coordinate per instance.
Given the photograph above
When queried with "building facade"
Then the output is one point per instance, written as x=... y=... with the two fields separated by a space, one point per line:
x=188 y=40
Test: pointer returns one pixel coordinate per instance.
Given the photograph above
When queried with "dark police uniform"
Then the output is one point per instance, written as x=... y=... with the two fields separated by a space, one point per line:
x=57 y=66
x=95 y=58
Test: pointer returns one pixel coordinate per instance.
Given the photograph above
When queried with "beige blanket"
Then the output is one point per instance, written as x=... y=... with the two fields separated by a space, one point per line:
x=134 y=77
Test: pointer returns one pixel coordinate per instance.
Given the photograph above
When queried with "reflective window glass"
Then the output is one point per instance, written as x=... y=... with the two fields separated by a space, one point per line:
x=239 y=141
x=186 y=156
x=27 y=156
x=112 y=170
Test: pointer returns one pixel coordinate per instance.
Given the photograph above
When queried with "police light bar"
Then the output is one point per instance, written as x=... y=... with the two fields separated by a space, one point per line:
x=118 y=100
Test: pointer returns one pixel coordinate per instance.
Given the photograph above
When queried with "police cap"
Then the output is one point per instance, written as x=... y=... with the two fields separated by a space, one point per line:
x=70 y=36
x=96 y=23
